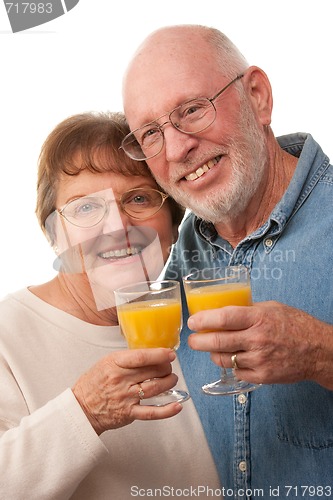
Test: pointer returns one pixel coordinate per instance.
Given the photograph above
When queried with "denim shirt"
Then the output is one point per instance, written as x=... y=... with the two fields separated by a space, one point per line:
x=277 y=440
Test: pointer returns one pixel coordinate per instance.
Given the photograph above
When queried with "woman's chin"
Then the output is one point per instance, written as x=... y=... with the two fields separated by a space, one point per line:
x=104 y=280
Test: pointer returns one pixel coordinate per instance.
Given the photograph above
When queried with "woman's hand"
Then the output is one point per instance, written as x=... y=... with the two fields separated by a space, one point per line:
x=109 y=392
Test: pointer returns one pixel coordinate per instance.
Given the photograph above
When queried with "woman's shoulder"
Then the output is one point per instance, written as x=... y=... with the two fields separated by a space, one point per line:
x=14 y=300
x=16 y=308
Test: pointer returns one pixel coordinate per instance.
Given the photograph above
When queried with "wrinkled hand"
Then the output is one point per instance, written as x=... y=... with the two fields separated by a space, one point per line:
x=109 y=392
x=274 y=343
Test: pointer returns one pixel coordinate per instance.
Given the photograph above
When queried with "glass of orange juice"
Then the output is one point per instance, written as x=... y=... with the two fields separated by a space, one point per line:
x=213 y=288
x=150 y=315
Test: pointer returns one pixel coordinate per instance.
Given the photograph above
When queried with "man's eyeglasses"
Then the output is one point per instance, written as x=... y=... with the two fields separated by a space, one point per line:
x=190 y=117
x=137 y=203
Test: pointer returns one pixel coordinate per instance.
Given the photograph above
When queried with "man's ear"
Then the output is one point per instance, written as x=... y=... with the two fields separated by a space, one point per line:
x=259 y=90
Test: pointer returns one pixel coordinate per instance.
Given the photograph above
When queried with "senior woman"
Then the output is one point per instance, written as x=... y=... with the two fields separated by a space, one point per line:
x=71 y=422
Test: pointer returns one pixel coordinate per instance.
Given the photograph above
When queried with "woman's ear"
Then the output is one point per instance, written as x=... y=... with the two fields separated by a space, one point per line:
x=56 y=233
x=259 y=91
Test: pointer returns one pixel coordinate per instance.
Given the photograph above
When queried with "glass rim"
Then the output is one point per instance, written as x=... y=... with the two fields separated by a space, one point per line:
x=188 y=279
x=134 y=288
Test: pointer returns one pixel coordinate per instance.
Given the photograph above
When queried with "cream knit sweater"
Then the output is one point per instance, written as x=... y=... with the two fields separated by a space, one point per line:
x=48 y=449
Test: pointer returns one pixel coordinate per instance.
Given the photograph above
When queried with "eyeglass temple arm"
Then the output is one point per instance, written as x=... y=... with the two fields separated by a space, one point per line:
x=225 y=88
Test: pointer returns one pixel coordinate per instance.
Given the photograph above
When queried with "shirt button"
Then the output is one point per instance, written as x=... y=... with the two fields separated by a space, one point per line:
x=268 y=242
x=242 y=399
x=242 y=466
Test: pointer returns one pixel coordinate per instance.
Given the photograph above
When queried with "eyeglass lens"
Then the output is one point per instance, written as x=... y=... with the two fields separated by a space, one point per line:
x=88 y=211
x=191 y=117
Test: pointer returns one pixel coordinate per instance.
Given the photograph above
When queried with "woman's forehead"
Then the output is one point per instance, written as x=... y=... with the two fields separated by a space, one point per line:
x=87 y=182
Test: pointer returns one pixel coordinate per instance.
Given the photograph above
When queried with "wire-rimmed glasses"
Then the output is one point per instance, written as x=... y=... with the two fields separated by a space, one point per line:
x=191 y=117
x=137 y=203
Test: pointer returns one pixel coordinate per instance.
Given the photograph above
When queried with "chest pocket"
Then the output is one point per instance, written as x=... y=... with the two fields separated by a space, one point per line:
x=304 y=415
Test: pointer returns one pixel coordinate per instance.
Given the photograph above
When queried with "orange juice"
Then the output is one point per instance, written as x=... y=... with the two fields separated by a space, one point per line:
x=151 y=323
x=215 y=296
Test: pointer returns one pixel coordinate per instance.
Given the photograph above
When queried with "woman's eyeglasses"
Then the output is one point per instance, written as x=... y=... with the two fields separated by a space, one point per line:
x=138 y=203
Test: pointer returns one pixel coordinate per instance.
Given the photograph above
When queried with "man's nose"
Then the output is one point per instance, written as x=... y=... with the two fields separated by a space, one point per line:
x=177 y=144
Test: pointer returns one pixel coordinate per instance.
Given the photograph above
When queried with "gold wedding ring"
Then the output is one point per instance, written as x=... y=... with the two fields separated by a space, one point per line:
x=234 y=362
x=141 y=393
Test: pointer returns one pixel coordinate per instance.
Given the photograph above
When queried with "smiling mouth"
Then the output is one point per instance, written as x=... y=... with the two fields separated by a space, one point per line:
x=203 y=169
x=121 y=253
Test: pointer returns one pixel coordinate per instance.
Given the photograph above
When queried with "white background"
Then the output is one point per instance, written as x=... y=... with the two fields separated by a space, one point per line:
x=75 y=63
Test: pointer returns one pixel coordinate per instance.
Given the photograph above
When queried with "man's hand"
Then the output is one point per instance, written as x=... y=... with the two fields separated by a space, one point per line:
x=274 y=343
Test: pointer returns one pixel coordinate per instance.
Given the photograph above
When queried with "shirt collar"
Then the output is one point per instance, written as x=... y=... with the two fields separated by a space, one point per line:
x=311 y=164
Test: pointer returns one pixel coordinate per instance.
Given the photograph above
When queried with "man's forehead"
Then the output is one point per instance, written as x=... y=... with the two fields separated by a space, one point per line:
x=149 y=94
x=158 y=58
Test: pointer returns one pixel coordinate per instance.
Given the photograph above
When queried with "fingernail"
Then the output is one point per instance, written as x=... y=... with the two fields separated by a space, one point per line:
x=172 y=355
x=190 y=323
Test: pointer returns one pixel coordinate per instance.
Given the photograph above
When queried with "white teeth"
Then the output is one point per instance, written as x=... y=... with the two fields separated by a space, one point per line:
x=202 y=170
x=211 y=163
x=122 y=252
x=191 y=177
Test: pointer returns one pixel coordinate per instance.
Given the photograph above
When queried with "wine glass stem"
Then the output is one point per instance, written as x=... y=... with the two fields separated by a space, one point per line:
x=224 y=374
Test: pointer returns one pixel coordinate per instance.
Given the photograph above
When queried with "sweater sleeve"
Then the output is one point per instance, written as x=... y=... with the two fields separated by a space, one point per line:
x=49 y=452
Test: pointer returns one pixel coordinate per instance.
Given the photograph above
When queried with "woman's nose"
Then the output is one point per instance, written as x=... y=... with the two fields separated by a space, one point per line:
x=115 y=219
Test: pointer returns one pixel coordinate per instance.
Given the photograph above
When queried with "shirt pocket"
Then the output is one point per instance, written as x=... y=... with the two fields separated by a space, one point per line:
x=304 y=415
